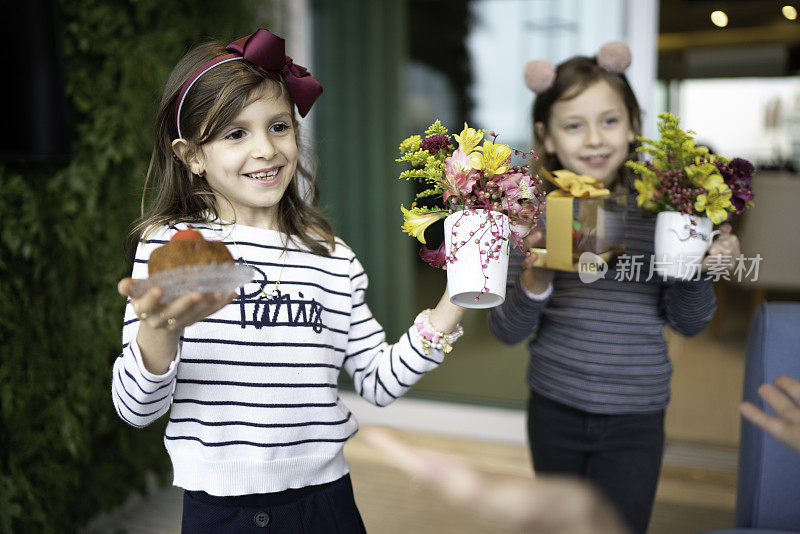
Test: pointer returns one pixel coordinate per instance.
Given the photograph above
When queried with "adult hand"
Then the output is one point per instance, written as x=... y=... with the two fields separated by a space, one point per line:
x=784 y=398
x=535 y=279
x=542 y=505
x=723 y=251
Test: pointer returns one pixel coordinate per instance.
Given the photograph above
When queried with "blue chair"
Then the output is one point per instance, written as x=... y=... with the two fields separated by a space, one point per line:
x=768 y=487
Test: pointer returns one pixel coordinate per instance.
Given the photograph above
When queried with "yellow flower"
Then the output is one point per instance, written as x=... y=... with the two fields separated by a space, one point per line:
x=579 y=185
x=468 y=139
x=703 y=174
x=646 y=189
x=714 y=181
x=716 y=203
x=490 y=158
x=415 y=221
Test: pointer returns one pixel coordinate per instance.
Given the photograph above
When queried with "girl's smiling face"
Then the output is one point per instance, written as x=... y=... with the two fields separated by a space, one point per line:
x=251 y=163
x=590 y=133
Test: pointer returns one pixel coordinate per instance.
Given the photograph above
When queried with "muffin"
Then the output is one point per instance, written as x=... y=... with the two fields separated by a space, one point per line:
x=187 y=247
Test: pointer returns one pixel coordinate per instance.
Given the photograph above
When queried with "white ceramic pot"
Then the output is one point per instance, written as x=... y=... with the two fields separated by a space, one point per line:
x=681 y=241
x=473 y=279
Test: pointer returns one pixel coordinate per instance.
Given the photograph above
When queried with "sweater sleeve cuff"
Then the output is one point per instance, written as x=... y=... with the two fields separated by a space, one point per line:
x=692 y=285
x=536 y=296
x=135 y=353
x=435 y=356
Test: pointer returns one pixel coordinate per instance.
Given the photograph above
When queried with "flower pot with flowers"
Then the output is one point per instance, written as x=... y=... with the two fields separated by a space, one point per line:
x=691 y=190
x=487 y=206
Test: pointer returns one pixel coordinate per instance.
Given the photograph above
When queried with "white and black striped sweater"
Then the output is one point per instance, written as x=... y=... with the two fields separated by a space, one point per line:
x=252 y=393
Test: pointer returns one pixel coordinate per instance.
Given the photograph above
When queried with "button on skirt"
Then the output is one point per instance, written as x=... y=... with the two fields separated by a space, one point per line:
x=325 y=509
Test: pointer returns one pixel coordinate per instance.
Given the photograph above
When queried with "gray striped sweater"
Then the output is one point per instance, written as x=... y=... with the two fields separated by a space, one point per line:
x=252 y=394
x=600 y=347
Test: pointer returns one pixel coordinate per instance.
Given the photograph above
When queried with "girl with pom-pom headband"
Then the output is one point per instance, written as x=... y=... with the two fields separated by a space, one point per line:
x=569 y=79
x=598 y=357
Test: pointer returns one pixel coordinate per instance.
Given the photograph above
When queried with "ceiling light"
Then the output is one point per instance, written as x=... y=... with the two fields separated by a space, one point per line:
x=719 y=18
x=789 y=12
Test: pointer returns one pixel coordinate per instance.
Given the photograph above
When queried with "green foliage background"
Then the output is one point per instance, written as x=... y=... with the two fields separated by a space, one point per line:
x=65 y=456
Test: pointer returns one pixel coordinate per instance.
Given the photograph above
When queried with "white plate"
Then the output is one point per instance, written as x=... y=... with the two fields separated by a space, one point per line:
x=205 y=278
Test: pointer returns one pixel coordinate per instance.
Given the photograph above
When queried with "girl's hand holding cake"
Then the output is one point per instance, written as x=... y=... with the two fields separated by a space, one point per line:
x=177 y=314
x=163 y=322
x=186 y=248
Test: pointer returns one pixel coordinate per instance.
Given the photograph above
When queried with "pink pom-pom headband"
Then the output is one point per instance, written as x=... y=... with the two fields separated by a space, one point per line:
x=614 y=57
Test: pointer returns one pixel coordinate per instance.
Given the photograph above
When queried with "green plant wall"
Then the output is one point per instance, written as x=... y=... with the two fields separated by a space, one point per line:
x=65 y=456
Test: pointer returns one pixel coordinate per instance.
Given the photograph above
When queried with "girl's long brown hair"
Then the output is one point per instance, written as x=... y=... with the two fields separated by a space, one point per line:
x=209 y=106
x=573 y=76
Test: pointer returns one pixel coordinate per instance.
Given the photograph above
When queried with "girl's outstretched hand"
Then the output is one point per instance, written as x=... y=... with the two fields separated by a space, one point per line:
x=162 y=324
x=723 y=251
x=446 y=315
x=536 y=279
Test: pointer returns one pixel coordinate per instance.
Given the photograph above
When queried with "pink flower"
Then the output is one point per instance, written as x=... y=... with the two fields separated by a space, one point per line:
x=522 y=223
x=512 y=206
x=434 y=258
x=459 y=176
x=517 y=186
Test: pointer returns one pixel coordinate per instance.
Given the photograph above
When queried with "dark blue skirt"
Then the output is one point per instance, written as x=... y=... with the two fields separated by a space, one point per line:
x=325 y=509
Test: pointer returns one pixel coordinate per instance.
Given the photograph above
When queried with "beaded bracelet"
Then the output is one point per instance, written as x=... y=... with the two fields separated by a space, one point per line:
x=430 y=338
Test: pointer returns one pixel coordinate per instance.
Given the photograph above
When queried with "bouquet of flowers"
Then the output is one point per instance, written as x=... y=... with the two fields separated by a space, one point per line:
x=687 y=178
x=468 y=177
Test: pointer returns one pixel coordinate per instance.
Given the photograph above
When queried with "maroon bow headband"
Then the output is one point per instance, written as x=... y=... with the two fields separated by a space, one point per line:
x=266 y=51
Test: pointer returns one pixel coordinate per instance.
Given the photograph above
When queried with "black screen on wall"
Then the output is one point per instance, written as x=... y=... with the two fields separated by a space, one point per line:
x=34 y=116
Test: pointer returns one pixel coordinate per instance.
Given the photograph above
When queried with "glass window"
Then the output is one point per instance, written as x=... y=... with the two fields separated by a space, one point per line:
x=471 y=69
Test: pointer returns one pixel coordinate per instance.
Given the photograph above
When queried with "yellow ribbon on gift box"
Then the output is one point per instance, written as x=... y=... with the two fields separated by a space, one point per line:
x=559 y=212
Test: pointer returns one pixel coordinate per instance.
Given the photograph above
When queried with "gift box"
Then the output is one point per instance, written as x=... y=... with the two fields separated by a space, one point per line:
x=581 y=217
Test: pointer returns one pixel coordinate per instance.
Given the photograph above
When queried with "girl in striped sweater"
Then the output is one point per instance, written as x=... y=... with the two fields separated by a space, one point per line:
x=256 y=427
x=599 y=372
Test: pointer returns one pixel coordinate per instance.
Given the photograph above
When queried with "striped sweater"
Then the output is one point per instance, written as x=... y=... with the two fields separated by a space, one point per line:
x=252 y=393
x=600 y=347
